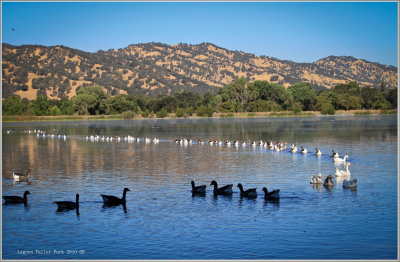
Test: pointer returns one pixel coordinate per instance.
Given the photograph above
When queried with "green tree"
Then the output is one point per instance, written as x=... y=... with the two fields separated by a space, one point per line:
x=40 y=106
x=55 y=111
x=91 y=100
x=119 y=104
x=66 y=106
x=162 y=113
x=305 y=94
x=351 y=88
x=326 y=97
x=13 y=105
x=180 y=112
x=204 y=111
x=392 y=97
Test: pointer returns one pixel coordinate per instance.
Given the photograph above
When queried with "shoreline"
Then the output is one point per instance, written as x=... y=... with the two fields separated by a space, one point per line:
x=215 y=115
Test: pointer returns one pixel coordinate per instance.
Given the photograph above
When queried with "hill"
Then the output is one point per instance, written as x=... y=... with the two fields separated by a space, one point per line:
x=155 y=68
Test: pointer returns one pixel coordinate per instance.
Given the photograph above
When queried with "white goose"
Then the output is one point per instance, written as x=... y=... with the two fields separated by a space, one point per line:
x=317 y=152
x=335 y=154
x=293 y=148
x=304 y=150
x=340 y=160
x=316 y=179
x=345 y=172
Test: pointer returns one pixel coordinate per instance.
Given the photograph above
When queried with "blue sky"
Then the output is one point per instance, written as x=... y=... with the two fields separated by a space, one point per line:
x=297 y=31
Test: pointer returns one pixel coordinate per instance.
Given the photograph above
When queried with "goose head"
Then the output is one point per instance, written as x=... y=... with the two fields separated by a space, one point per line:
x=213 y=183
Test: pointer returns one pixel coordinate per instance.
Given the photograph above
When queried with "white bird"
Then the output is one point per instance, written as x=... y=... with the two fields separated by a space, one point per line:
x=346 y=172
x=293 y=148
x=316 y=179
x=335 y=154
x=339 y=160
x=303 y=150
x=317 y=152
x=350 y=183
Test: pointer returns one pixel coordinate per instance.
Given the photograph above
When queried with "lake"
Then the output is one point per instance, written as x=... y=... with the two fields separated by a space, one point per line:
x=162 y=220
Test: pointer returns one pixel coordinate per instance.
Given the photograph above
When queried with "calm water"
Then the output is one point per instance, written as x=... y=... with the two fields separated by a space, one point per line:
x=163 y=221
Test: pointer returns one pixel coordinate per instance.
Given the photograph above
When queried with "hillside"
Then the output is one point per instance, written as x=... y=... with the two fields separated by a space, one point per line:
x=155 y=68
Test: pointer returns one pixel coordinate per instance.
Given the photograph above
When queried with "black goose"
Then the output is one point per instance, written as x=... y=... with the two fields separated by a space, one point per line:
x=198 y=189
x=68 y=205
x=112 y=200
x=328 y=181
x=225 y=190
x=273 y=195
x=16 y=199
x=249 y=193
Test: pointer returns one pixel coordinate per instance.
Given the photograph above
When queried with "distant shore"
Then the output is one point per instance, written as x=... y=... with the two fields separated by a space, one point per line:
x=173 y=116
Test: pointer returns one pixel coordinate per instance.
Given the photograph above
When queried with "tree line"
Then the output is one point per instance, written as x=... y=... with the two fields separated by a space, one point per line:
x=238 y=96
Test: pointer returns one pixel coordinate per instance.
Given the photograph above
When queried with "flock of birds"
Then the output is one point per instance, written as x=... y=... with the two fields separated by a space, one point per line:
x=108 y=200
x=340 y=174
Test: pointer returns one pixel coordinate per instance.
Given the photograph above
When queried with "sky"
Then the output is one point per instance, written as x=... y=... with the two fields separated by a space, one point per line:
x=297 y=31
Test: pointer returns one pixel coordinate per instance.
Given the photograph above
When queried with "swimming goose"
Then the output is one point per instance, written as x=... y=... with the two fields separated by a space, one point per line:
x=273 y=195
x=346 y=172
x=293 y=148
x=328 y=181
x=17 y=176
x=112 y=200
x=350 y=183
x=339 y=160
x=303 y=150
x=316 y=179
x=334 y=154
x=16 y=199
x=317 y=152
x=225 y=190
x=198 y=189
x=249 y=193
x=68 y=205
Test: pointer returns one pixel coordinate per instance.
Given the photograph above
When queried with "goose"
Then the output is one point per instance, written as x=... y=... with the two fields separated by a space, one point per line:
x=225 y=190
x=335 y=154
x=317 y=152
x=249 y=193
x=350 y=183
x=303 y=150
x=253 y=144
x=339 y=160
x=328 y=181
x=198 y=189
x=17 y=176
x=316 y=179
x=228 y=143
x=293 y=148
x=68 y=205
x=243 y=144
x=16 y=199
x=112 y=200
x=273 y=195
x=346 y=172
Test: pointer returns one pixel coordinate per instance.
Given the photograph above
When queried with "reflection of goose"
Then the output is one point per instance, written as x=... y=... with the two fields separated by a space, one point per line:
x=339 y=160
x=346 y=172
x=225 y=190
x=317 y=152
x=271 y=195
x=198 y=189
x=328 y=181
x=350 y=184
x=68 y=205
x=250 y=193
x=17 y=176
x=316 y=179
x=112 y=200
x=16 y=199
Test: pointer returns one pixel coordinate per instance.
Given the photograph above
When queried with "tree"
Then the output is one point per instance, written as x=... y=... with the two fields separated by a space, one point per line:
x=326 y=97
x=40 y=106
x=392 y=97
x=351 y=88
x=13 y=105
x=66 y=106
x=118 y=104
x=305 y=94
x=90 y=100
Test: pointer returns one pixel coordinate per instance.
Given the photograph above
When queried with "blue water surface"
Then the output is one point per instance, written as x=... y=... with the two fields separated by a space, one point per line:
x=162 y=220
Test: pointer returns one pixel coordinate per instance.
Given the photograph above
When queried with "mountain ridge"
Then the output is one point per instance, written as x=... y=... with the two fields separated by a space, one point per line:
x=157 y=68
